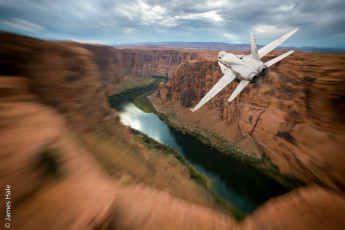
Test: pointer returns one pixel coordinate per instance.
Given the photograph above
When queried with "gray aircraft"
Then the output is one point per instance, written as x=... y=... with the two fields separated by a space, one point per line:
x=245 y=68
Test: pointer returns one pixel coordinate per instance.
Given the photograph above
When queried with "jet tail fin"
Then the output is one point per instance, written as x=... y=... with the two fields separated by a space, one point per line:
x=280 y=57
x=253 y=47
x=268 y=48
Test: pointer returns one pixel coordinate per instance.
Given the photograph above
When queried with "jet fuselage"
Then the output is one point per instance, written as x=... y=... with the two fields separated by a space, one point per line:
x=245 y=67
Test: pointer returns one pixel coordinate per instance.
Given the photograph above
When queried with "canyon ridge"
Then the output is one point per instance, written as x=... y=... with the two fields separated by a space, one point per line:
x=72 y=164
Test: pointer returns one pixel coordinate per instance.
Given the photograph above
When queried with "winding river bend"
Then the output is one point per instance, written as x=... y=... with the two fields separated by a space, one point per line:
x=240 y=184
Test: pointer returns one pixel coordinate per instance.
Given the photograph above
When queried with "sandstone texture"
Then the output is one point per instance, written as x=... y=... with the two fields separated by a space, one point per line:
x=295 y=114
x=311 y=207
x=61 y=74
x=55 y=182
x=120 y=65
x=51 y=99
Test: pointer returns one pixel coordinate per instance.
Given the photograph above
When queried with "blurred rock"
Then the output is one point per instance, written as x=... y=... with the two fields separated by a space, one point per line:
x=312 y=207
x=51 y=93
x=62 y=74
x=52 y=177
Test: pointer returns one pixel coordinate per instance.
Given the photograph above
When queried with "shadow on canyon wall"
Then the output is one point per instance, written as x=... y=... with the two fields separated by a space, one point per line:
x=68 y=163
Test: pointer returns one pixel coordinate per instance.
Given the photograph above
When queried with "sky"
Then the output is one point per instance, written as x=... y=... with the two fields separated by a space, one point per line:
x=321 y=22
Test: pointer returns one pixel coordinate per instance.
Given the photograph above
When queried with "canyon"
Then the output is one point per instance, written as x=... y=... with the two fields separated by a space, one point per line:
x=294 y=115
x=72 y=165
x=118 y=66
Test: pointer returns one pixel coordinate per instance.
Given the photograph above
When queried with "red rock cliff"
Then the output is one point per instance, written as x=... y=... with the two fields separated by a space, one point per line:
x=62 y=74
x=50 y=94
x=47 y=91
x=118 y=65
x=50 y=91
x=296 y=114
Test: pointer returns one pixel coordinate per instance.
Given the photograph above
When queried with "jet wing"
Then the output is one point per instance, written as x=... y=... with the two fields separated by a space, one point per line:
x=238 y=89
x=268 y=48
x=224 y=81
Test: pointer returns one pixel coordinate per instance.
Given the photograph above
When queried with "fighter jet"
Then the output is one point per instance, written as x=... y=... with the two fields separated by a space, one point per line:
x=244 y=68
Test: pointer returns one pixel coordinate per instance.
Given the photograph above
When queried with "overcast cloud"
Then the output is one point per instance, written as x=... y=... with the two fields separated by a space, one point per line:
x=321 y=22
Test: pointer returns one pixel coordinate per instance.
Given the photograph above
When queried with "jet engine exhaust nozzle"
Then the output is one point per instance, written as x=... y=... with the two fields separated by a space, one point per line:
x=253 y=77
x=244 y=69
x=263 y=70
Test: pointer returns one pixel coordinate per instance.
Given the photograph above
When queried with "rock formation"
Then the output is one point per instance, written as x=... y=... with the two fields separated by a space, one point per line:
x=51 y=96
x=54 y=181
x=56 y=73
x=118 y=65
x=295 y=114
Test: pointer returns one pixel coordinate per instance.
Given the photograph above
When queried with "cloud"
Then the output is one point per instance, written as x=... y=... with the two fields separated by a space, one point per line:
x=211 y=16
x=321 y=22
x=232 y=38
x=141 y=12
x=23 y=25
x=265 y=29
x=90 y=41
x=145 y=14
x=129 y=30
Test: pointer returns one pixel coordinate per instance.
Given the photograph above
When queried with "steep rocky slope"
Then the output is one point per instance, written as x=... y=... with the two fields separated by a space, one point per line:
x=55 y=181
x=56 y=72
x=295 y=115
x=133 y=65
x=55 y=124
x=49 y=91
x=54 y=119
x=51 y=176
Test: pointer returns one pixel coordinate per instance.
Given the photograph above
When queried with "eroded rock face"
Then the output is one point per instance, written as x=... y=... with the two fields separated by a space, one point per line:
x=51 y=176
x=295 y=113
x=54 y=181
x=311 y=207
x=118 y=65
x=62 y=74
x=47 y=91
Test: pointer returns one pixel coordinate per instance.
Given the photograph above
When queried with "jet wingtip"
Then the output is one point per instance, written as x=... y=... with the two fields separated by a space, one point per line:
x=295 y=30
x=192 y=110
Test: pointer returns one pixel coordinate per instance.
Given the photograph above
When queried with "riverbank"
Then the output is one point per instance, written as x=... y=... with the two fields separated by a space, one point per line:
x=133 y=158
x=210 y=199
x=147 y=103
x=131 y=93
x=141 y=99
x=220 y=204
x=54 y=176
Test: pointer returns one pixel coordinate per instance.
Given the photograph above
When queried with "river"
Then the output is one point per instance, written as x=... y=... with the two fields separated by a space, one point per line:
x=242 y=185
